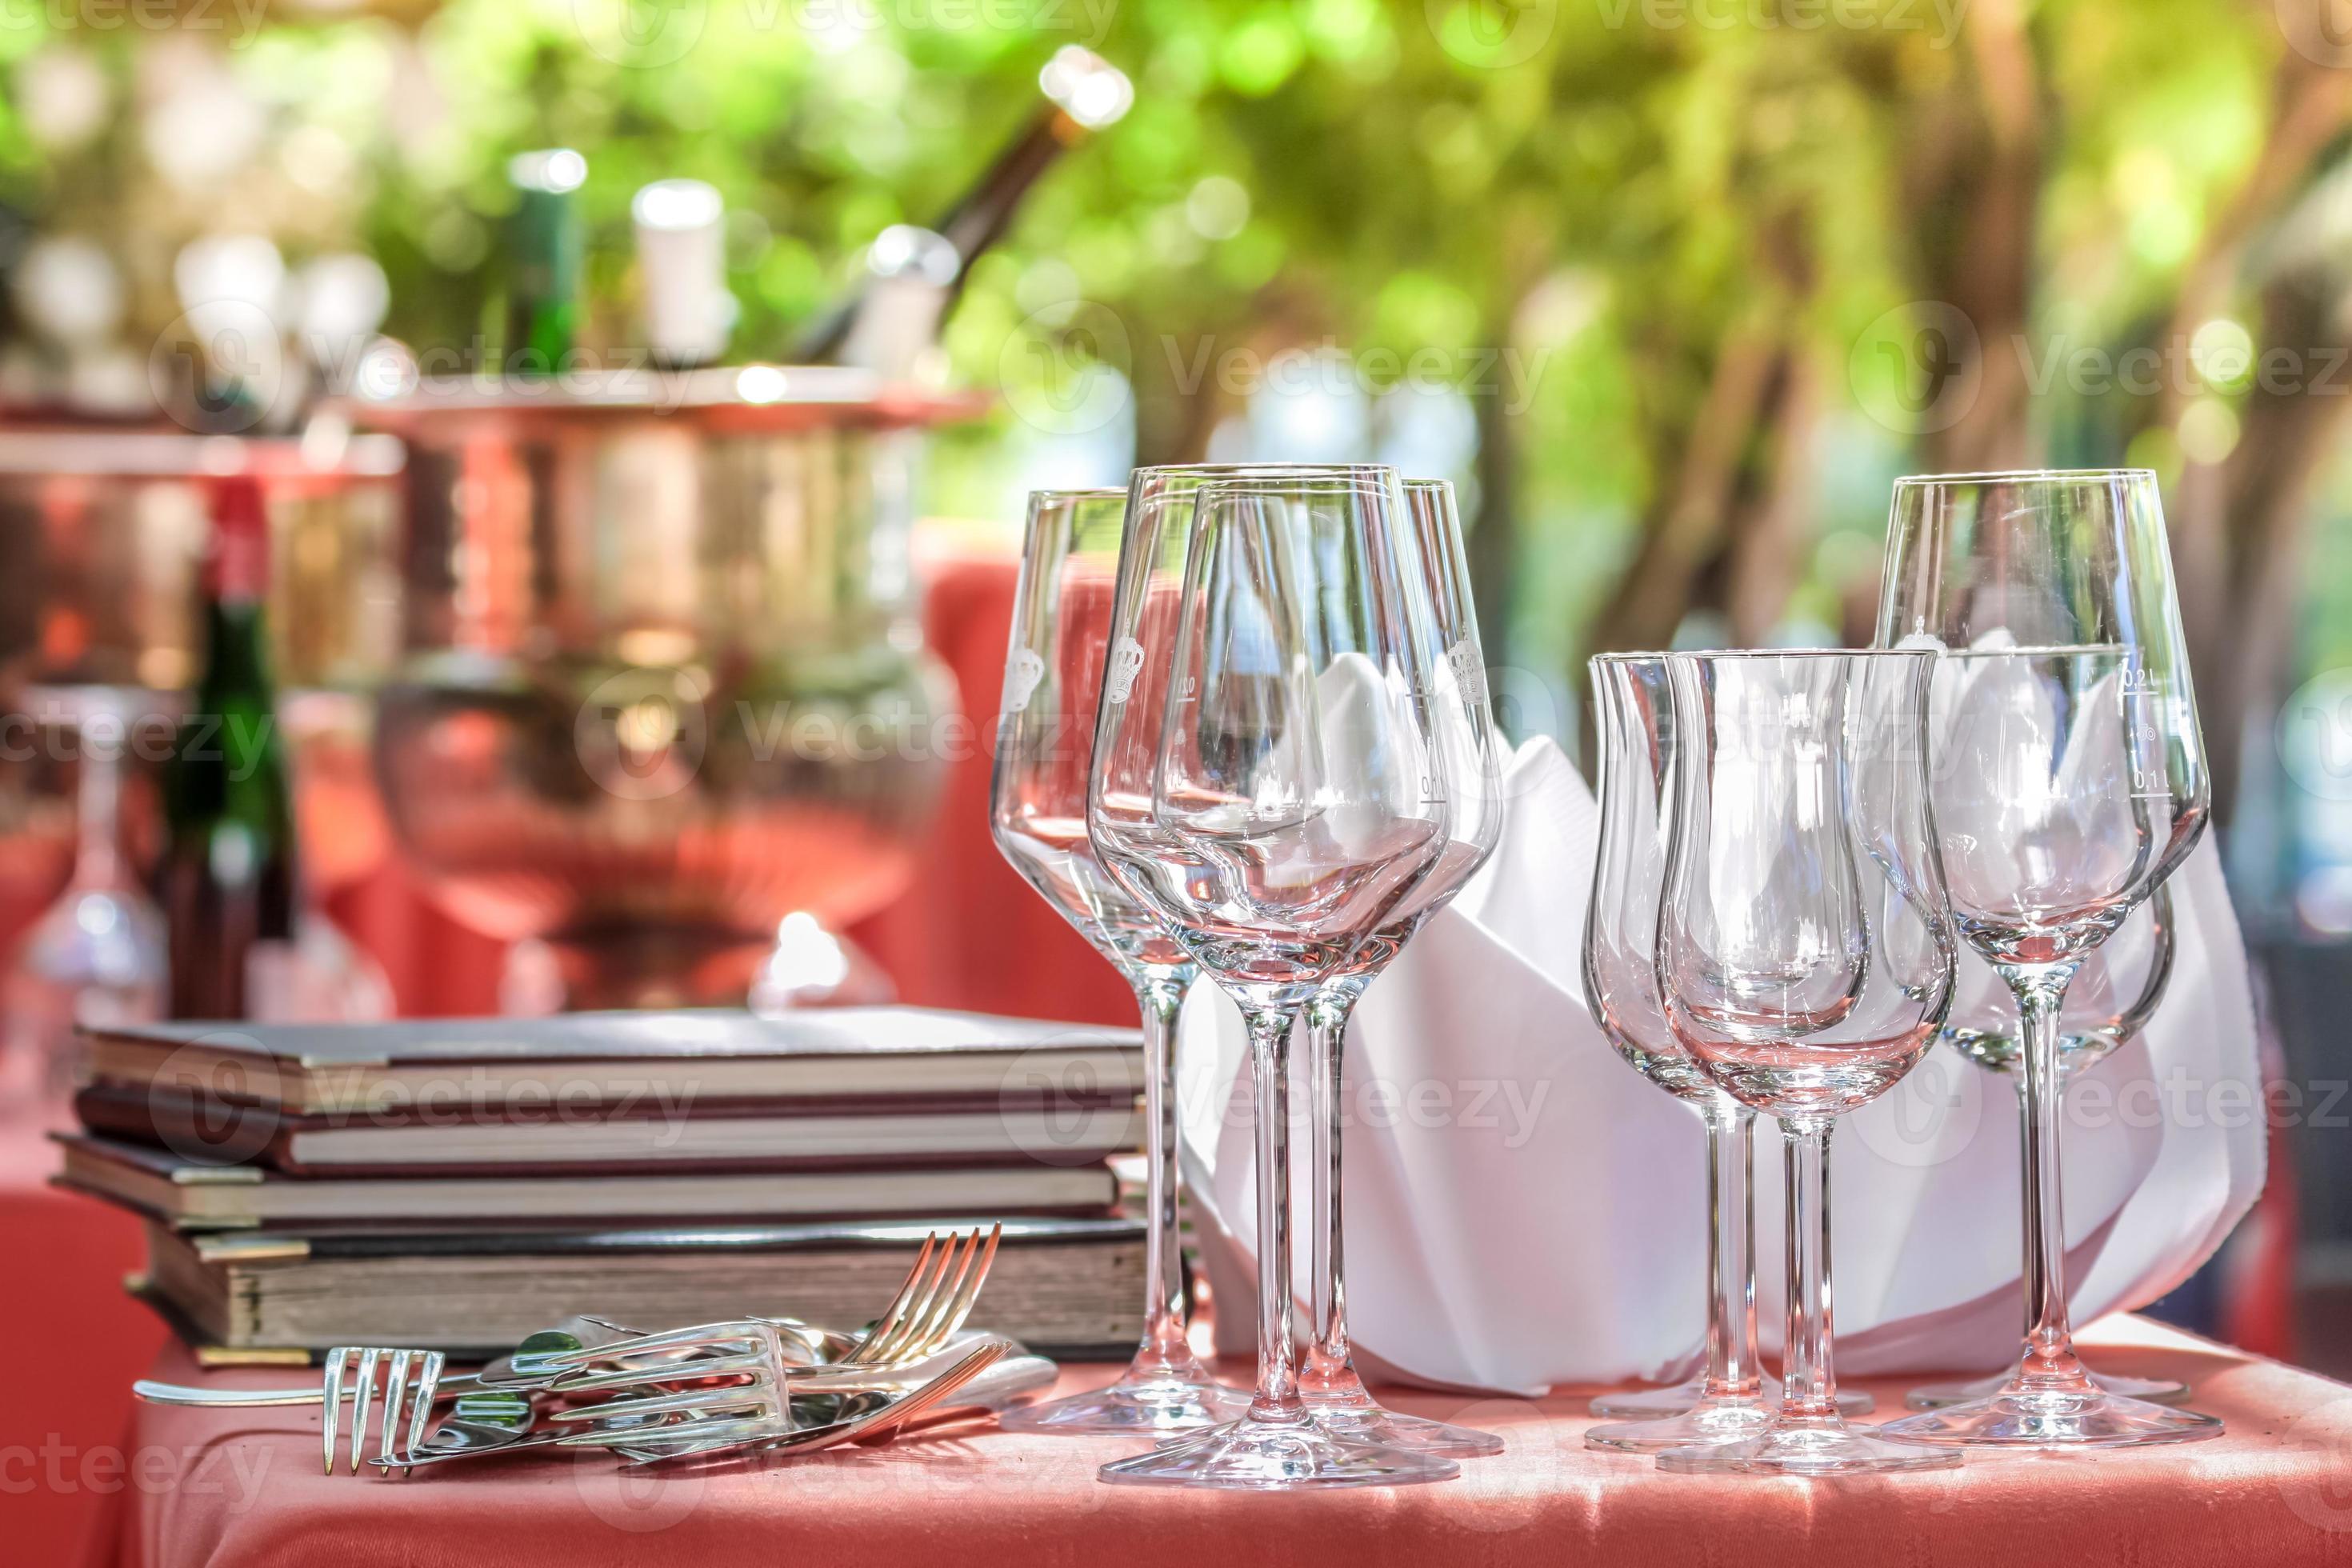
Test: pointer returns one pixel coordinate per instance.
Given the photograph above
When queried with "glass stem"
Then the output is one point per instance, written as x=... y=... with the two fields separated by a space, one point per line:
x=1158 y=996
x=1733 y=1369
x=1277 y=1365
x=2048 y=1364
x=97 y=817
x=1327 y=1373
x=1809 y=1391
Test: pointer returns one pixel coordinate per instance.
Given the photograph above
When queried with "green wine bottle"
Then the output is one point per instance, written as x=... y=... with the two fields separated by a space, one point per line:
x=228 y=873
x=543 y=242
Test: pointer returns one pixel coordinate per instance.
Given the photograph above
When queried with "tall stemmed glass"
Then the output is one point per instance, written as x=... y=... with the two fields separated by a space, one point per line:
x=2113 y=996
x=2069 y=781
x=1037 y=810
x=1634 y=708
x=1466 y=759
x=1804 y=958
x=1262 y=783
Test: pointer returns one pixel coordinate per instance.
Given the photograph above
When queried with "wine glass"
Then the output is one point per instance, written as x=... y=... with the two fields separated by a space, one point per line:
x=1037 y=811
x=1263 y=783
x=1804 y=959
x=99 y=957
x=1633 y=707
x=2069 y=781
x=1467 y=756
x=2111 y=1000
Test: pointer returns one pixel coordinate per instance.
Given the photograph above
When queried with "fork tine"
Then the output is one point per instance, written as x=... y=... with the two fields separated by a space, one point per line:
x=917 y=1333
x=888 y=1322
x=427 y=1383
x=396 y=1392
x=915 y=1330
x=886 y=1344
x=968 y=1294
x=331 y=1400
x=361 y=1395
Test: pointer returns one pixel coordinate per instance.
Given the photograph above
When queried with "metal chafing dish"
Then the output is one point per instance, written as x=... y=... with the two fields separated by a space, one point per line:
x=665 y=685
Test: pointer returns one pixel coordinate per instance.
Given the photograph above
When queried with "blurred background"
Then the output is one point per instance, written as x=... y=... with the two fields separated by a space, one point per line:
x=1671 y=289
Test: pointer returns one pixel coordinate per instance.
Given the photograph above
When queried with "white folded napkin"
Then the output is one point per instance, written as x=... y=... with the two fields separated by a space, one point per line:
x=1524 y=1209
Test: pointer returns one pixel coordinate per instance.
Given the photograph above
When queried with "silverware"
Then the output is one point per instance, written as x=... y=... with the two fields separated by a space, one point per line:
x=403 y=1402
x=704 y=1439
x=929 y=1309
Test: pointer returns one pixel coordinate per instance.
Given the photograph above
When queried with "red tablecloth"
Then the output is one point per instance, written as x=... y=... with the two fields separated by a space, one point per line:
x=70 y=1340
x=242 y=1488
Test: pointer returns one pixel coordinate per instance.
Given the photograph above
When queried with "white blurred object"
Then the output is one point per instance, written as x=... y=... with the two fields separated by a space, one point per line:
x=897 y=320
x=199 y=124
x=1312 y=407
x=1524 y=1209
x=222 y=270
x=340 y=299
x=814 y=967
x=68 y=291
x=681 y=227
x=63 y=95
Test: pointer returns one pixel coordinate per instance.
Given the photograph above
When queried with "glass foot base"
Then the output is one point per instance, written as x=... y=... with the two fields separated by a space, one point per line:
x=1830 y=1449
x=1648 y=1403
x=2058 y=1419
x=1266 y=1454
x=1368 y=1422
x=1937 y=1395
x=1145 y=1407
x=1702 y=1425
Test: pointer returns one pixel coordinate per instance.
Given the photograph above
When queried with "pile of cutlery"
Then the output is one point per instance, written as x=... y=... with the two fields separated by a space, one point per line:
x=774 y=1385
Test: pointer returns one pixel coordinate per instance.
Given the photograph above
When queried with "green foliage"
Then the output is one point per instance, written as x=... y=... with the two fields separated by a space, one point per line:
x=1591 y=182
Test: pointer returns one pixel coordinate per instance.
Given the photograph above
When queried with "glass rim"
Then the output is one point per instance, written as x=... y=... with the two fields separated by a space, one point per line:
x=1085 y=492
x=1757 y=655
x=1242 y=471
x=2021 y=475
x=1429 y=484
x=1631 y=656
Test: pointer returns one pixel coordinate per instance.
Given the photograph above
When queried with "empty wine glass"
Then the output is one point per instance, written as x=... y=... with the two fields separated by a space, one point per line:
x=1037 y=810
x=2112 y=998
x=2069 y=780
x=98 y=957
x=1804 y=958
x=1263 y=783
x=1633 y=710
x=1465 y=757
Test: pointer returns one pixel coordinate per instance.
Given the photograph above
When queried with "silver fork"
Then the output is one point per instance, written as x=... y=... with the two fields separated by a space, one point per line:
x=401 y=1402
x=931 y=1305
x=396 y=1363
x=916 y=1325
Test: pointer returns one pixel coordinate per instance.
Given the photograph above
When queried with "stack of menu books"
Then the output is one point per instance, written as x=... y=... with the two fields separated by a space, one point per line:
x=457 y=1183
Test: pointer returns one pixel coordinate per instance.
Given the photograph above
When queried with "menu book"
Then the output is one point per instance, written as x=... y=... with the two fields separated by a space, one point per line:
x=191 y=1195
x=1072 y=1288
x=583 y=1060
